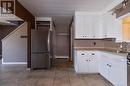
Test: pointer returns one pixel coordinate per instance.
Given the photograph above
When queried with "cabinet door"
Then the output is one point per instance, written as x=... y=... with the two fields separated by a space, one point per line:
x=75 y=60
x=104 y=66
x=93 y=63
x=88 y=26
x=83 y=65
x=118 y=33
x=115 y=70
x=82 y=60
x=118 y=73
x=97 y=26
x=104 y=25
x=79 y=26
x=111 y=26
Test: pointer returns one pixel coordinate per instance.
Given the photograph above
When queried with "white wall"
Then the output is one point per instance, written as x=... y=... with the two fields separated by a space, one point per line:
x=14 y=48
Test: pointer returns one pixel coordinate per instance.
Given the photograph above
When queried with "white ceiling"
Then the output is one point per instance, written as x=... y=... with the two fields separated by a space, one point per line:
x=63 y=10
x=63 y=7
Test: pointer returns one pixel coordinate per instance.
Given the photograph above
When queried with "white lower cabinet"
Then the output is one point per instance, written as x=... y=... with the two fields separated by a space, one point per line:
x=83 y=67
x=93 y=63
x=103 y=69
x=112 y=67
x=106 y=67
x=87 y=62
x=119 y=74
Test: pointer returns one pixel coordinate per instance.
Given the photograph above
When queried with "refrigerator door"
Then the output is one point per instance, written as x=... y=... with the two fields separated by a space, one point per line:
x=40 y=45
x=40 y=60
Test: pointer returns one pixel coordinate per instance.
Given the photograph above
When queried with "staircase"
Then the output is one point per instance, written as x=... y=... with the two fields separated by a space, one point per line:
x=7 y=29
x=14 y=46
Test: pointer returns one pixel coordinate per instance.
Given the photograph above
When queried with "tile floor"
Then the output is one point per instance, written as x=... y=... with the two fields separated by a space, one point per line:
x=17 y=75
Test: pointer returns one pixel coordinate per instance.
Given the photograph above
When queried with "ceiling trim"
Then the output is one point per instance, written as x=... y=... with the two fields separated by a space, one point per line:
x=43 y=18
x=124 y=16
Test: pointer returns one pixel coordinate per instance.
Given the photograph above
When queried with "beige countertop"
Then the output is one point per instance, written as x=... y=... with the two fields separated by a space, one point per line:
x=105 y=50
x=115 y=53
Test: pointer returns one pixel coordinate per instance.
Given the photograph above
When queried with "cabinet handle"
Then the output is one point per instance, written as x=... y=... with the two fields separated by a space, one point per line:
x=109 y=65
x=93 y=54
x=82 y=54
x=87 y=60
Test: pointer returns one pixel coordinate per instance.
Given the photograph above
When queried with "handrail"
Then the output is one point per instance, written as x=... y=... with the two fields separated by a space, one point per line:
x=14 y=31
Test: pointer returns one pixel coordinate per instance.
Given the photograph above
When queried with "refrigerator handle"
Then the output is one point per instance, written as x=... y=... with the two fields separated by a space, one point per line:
x=48 y=41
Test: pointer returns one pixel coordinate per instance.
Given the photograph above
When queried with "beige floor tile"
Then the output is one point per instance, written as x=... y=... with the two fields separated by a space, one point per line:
x=17 y=75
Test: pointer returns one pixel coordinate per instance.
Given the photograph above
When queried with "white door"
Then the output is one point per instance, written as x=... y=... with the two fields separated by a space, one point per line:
x=109 y=73
x=118 y=73
x=88 y=26
x=75 y=60
x=104 y=25
x=83 y=65
x=103 y=66
x=97 y=26
x=111 y=25
x=79 y=26
x=118 y=31
x=93 y=63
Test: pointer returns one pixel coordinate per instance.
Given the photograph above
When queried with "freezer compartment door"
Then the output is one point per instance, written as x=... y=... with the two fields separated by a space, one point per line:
x=40 y=60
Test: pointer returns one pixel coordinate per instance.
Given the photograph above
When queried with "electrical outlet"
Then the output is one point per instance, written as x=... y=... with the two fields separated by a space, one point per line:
x=94 y=43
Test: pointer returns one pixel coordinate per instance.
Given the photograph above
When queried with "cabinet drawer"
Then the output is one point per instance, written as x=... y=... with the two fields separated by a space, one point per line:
x=86 y=53
x=82 y=53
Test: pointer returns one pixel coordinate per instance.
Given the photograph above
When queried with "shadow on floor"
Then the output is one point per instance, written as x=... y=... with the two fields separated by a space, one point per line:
x=62 y=63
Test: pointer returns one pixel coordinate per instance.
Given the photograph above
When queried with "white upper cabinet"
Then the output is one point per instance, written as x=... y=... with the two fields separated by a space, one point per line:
x=79 y=26
x=87 y=25
x=111 y=26
x=97 y=25
x=108 y=27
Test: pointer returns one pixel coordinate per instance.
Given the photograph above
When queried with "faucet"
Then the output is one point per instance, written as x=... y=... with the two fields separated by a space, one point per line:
x=124 y=46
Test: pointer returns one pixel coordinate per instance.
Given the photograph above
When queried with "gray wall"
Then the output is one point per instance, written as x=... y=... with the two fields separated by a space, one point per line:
x=14 y=48
x=4 y=31
x=62 y=41
x=88 y=43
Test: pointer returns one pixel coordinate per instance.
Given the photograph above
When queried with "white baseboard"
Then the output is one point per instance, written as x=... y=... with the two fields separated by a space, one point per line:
x=28 y=69
x=13 y=62
x=60 y=57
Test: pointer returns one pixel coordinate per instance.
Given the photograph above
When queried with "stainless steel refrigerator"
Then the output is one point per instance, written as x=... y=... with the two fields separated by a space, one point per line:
x=40 y=45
